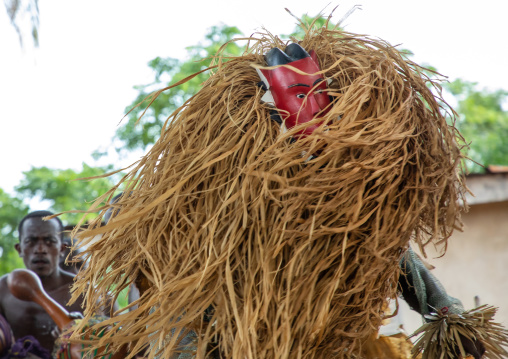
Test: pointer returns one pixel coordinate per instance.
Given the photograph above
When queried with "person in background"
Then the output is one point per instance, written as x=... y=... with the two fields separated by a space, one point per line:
x=41 y=245
x=66 y=263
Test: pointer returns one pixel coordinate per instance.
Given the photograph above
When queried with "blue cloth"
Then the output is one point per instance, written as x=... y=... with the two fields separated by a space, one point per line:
x=6 y=337
x=27 y=345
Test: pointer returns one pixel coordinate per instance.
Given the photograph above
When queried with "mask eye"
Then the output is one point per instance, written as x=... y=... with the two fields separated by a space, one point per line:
x=300 y=95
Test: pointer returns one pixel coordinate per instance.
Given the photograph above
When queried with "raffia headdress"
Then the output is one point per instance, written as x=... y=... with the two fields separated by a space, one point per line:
x=230 y=232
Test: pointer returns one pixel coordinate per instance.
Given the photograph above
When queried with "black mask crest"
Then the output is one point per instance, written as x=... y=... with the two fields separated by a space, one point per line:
x=293 y=52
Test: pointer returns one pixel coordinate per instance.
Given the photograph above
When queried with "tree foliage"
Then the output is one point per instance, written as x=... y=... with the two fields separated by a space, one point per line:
x=169 y=71
x=483 y=122
x=65 y=189
x=12 y=209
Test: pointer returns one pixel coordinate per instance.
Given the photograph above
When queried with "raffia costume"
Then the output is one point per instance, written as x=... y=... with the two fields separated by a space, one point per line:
x=234 y=231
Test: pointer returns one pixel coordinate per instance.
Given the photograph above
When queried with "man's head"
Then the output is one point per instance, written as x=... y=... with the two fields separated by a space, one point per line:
x=299 y=96
x=40 y=243
x=72 y=264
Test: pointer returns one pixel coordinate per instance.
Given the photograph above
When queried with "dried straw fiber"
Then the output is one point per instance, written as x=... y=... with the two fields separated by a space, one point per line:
x=296 y=256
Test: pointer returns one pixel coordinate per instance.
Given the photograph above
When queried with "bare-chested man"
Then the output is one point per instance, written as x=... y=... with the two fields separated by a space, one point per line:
x=40 y=245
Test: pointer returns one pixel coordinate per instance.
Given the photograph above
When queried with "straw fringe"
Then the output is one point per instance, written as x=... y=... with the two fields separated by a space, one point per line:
x=297 y=256
x=440 y=337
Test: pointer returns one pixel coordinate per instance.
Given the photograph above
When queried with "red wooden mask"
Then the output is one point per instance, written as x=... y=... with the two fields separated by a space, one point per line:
x=298 y=97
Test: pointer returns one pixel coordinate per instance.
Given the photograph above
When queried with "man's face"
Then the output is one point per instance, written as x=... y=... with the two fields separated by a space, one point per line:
x=40 y=245
x=299 y=97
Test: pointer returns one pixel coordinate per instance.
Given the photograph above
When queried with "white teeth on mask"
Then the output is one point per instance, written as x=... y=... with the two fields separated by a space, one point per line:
x=268 y=98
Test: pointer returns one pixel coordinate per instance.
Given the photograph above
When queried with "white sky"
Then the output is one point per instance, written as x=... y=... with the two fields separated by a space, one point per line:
x=64 y=100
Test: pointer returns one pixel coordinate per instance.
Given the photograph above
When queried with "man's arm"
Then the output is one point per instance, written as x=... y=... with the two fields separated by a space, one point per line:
x=425 y=294
x=6 y=336
x=3 y=292
x=422 y=290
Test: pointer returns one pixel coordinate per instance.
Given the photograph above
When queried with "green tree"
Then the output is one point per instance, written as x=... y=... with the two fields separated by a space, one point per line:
x=483 y=122
x=12 y=209
x=65 y=189
x=169 y=71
